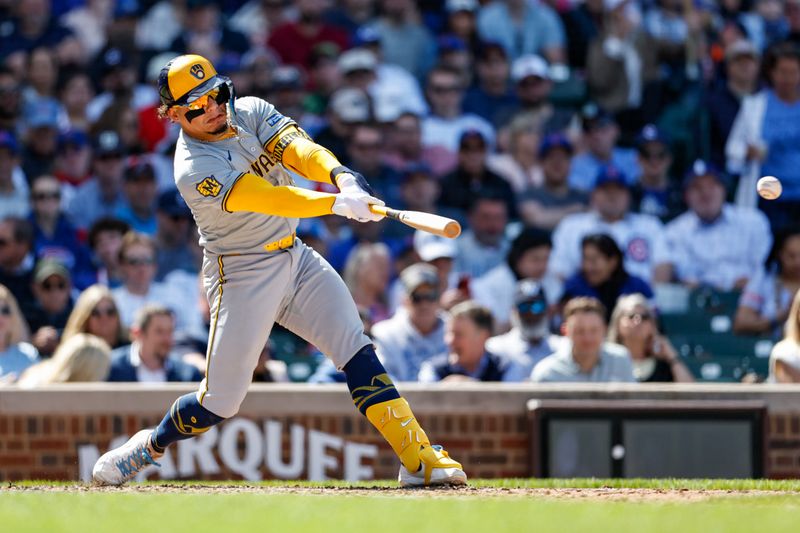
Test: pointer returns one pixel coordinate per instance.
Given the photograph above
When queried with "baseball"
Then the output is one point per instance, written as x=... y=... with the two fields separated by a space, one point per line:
x=769 y=188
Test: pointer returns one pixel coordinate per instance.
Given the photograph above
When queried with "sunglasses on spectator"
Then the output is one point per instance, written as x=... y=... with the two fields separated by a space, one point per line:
x=428 y=296
x=659 y=154
x=97 y=312
x=5 y=310
x=41 y=196
x=532 y=308
x=641 y=316
x=139 y=261
x=441 y=89
x=48 y=285
x=220 y=95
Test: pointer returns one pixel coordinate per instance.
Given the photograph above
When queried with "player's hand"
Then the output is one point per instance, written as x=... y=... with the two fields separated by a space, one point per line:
x=355 y=205
x=353 y=182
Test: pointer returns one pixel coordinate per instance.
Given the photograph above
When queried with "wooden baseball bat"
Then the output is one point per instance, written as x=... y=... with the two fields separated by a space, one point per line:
x=446 y=227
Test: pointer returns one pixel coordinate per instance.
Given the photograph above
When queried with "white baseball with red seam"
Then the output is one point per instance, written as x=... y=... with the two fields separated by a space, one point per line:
x=769 y=187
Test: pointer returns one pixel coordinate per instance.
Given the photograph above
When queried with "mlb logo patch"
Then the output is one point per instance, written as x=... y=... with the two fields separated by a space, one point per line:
x=197 y=71
x=209 y=186
x=274 y=119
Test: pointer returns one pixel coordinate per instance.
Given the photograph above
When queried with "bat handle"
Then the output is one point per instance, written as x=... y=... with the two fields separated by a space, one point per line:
x=383 y=210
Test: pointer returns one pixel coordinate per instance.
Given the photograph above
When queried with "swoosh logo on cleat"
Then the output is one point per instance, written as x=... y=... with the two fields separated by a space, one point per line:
x=407 y=422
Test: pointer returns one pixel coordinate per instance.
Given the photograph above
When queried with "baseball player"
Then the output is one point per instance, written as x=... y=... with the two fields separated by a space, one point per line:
x=228 y=167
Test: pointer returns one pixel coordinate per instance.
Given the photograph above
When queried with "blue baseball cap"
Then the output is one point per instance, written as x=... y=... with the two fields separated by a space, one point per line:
x=42 y=113
x=415 y=168
x=471 y=134
x=366 y=35
x=8 y=141
x=610 y=175
x=552 y=141
x=701 y=168
x=73 y=138
x=649 y=134
x=451 y=43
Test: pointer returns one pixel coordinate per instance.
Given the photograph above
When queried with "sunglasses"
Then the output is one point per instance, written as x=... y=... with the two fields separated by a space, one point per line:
x=442 y=89
x=139 y=261
x=48 y=285
x=419 y=297
x=532 y=308
x=5 y=311
x=197 y=108
x=41 y=196
x=108 y=311
x=641 y=316
x=661 y=154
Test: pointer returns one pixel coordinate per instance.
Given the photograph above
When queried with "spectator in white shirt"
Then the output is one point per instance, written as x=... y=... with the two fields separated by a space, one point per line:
x=640 y=237
x=715 y=243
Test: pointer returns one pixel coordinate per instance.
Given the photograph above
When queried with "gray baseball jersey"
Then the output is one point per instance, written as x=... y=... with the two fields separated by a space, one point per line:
x=249 y=288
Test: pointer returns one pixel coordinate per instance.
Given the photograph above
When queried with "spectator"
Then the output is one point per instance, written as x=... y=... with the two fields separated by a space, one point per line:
x=76 y=91
x=118 y=83
x=419 y=189
x=52 y=289
x=121 y=118
x=294 y=41
x=287 y=92
x=137 y=257
x=523 y=27
x=96 y=313
x=139 y=210
x=404 y=40
x=758 y=145
x=84 y=358
x=582 y=24
x=206 y=34
x=491 y=97
x=404 y=147
x=587 y=357
x=73 y=159
x=466 y=332
x=519 y=166
x=440 y=253
x=416 y=331
x=17 y=259
x=602 y=274
x=725 y=98
x=54 y=237
x=784 y=360
x=600 y=138
x=101 y=195
x=484 y=245
x=175 y=242
x=16 y=354
x=10 y=100
x=656 y=194
x=90 y=23
x=105 y=241
x=13 y=187
x=347 y=108
x=40 y=138
x=472 y=177
x=35 y=26
x=533 y=84
x=633 y=325
x=453 y=54
x=364 y=156
x=443 y=127
x=462 y=21
x=546 y=206
x=351 y=15
x=642 y=237
x=715 y=243
x=767 y=297
x=269 y=370
x=527 y=259
x=366 y=274
x=147 y=358
x=530 y=340
x=258 y=18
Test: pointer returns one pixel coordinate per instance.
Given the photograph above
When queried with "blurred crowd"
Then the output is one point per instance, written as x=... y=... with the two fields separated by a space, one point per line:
x=595 y=152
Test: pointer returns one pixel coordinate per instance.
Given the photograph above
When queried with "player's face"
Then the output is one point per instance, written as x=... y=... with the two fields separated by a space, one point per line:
x=212 y=122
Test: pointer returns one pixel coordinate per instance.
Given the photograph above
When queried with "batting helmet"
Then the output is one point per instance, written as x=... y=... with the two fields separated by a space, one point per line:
x=186 y=78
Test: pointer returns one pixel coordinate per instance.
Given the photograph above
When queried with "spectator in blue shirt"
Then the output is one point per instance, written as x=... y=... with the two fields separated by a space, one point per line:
x=140 y=192
x=523 y=27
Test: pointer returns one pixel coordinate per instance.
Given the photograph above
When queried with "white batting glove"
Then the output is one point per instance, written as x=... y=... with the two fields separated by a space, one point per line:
x=349 y=183
x=355 y=205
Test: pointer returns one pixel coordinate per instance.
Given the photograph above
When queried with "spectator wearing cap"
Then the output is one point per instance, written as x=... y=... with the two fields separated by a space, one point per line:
x=587 y=357
x=13 y=186
x=484 y=245
x=364 y=155
x=452 y=53
x=117 y=75
x=600 y=135
x=40 y=138
x=724 y=99
x=472 y=177
x=206 y=33
x=287 y=92
x=101 y=195
x=347 y=107
x=546 y=206
x=294 y=41
x=174 y=236
x=54 y=237
x=76 y=91
x=416 y=331
x=438 y=252
x=357 y=66
x=491 y=98
x=622 y=63
x=640 y=237
x=529 y=341
x=716 y=243
x=527 y=258
x=446 y=123
x=462 y=21
x=52 y=290
x=533 y=85
x=761 y=140
x=139 y=210
x=10 y=101
x=602 y=274
x=523 y=28
x=467 y=329
x=656 y=193
x=405 y=41
x=16 y=259
x=105 y=240
x=73 y=160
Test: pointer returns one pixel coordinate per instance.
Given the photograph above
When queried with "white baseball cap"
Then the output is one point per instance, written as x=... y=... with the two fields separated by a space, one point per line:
x=357 y=59
x=529 y=65
x=430 y=247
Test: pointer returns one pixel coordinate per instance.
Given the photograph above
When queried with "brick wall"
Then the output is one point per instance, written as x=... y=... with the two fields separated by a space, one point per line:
x=485 y=427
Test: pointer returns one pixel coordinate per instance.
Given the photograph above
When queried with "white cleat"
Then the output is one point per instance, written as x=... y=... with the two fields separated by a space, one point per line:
x=121 y=464
x=436 y=469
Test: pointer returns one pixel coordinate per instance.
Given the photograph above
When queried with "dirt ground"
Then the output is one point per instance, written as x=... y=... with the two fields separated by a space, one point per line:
x=597 y=494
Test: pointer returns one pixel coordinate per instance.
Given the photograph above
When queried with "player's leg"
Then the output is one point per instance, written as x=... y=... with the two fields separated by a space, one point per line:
x=245 y=293
x=322 y=311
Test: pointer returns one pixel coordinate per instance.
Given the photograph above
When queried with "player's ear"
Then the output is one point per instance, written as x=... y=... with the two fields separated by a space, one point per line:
x=173 y=114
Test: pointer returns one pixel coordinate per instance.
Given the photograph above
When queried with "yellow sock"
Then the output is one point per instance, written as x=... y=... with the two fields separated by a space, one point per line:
x=401 y=430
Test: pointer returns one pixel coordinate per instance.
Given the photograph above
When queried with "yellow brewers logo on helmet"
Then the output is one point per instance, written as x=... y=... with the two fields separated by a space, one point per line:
x=197 y=71
x=185 y=74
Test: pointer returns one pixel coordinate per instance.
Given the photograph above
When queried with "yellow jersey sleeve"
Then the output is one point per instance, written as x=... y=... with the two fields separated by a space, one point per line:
x=255 y=194
x=297 y=152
